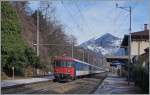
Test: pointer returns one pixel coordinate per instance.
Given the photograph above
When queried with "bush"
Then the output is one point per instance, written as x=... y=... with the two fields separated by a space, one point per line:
x=140 y=77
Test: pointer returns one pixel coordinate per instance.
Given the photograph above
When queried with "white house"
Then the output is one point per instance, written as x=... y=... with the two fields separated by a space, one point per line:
x=139 y=42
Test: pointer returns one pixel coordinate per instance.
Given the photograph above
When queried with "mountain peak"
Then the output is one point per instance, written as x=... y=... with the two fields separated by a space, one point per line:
x=107 y=34
x=105 y=44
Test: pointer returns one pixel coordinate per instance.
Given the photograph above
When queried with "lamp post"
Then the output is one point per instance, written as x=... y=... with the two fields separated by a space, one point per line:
x=128 y=9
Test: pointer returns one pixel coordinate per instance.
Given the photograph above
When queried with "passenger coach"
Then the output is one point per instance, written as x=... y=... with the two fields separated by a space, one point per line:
x=70 y=68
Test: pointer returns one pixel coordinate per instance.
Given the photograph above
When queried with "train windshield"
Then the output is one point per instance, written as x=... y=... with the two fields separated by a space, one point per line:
x=58 y=63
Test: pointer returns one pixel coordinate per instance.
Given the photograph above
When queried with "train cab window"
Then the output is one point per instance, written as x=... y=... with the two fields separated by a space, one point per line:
x=78 y=66
x=56 y=64
x=63 y=64
x=69 y=64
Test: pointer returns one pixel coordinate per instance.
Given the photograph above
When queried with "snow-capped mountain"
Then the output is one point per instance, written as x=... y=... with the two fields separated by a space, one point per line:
x=106 y=44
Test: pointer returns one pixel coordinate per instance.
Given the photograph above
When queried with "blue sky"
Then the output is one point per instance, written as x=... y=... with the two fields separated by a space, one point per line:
x=86 y=19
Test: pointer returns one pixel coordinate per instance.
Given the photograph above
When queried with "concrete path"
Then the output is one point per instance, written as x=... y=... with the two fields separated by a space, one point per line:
x=117 y=85
x=10 y=83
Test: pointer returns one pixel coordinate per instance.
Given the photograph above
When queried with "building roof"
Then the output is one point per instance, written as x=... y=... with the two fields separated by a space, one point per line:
x=117 y=58
x=140 y=35
x=143 y=33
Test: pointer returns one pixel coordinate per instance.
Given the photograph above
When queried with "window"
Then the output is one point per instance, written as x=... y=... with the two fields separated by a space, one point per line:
x=63 y=63
x=78 y=66
x=57 y=63
x=69 y=64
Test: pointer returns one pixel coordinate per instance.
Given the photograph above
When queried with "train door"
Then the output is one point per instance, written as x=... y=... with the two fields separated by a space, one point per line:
x=74 y=66
x=90 y=69
x=77 y=68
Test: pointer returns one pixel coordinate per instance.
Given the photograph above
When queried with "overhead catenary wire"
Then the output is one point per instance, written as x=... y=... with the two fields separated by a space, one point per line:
x=124 y=21
x=119 y=15
x=82 y=17
x=71 y=16
x=135 y=5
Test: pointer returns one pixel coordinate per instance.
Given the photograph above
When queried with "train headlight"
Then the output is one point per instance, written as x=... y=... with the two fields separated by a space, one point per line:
x=56 y=70
x=68 y=71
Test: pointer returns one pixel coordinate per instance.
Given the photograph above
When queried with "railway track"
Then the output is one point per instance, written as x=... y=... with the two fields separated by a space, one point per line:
x=80 y=86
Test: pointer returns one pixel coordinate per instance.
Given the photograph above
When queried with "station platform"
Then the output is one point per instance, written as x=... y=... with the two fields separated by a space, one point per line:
x=16 y=82
x=114 y=84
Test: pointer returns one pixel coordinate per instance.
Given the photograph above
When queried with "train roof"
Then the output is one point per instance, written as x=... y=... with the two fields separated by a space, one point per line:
x=64 y=58
x=85 y=63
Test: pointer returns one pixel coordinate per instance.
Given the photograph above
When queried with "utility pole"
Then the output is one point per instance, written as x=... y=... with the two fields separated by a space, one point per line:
x=129 y=48
x=37 y=36
x=83 y=54
x=37 y=50
x=128 y=9
x=37 y=39
x=72 y=49
x=88 y=58
x=102 y=60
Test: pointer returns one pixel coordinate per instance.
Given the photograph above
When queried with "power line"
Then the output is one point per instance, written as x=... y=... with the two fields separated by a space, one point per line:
x=124 y=21
x=82 y=17
x=71 y=16
x=135 y=5
x=119 y=15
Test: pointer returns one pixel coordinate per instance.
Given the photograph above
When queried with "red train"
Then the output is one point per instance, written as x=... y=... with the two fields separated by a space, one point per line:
x=70 y=68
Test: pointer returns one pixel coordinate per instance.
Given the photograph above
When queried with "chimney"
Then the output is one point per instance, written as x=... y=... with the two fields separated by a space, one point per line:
x=145 y=27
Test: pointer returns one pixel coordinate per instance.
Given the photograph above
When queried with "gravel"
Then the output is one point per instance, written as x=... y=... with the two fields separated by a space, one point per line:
x=84 y=85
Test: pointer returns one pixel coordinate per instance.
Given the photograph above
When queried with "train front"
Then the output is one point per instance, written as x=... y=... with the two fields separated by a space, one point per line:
x=63 y=68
